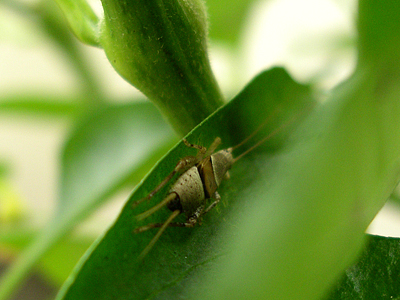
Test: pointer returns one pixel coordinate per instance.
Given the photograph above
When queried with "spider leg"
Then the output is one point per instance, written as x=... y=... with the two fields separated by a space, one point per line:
x=184 y=164
x=217 y=198
x=158 y=234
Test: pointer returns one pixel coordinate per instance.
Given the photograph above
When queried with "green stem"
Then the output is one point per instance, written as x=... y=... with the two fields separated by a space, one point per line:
x=160 y=47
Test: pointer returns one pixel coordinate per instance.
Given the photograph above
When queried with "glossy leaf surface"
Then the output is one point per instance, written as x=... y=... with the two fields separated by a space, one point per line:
x=376 y=275
x=183 y=253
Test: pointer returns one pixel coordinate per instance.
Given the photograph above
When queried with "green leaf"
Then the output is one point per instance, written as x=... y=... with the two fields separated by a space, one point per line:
x=309 y=226
x=112 y=270
x=103 y=152
x=376 y=275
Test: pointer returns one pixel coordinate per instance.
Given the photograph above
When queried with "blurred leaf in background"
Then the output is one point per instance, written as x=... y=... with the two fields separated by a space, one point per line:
x=63 y=91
